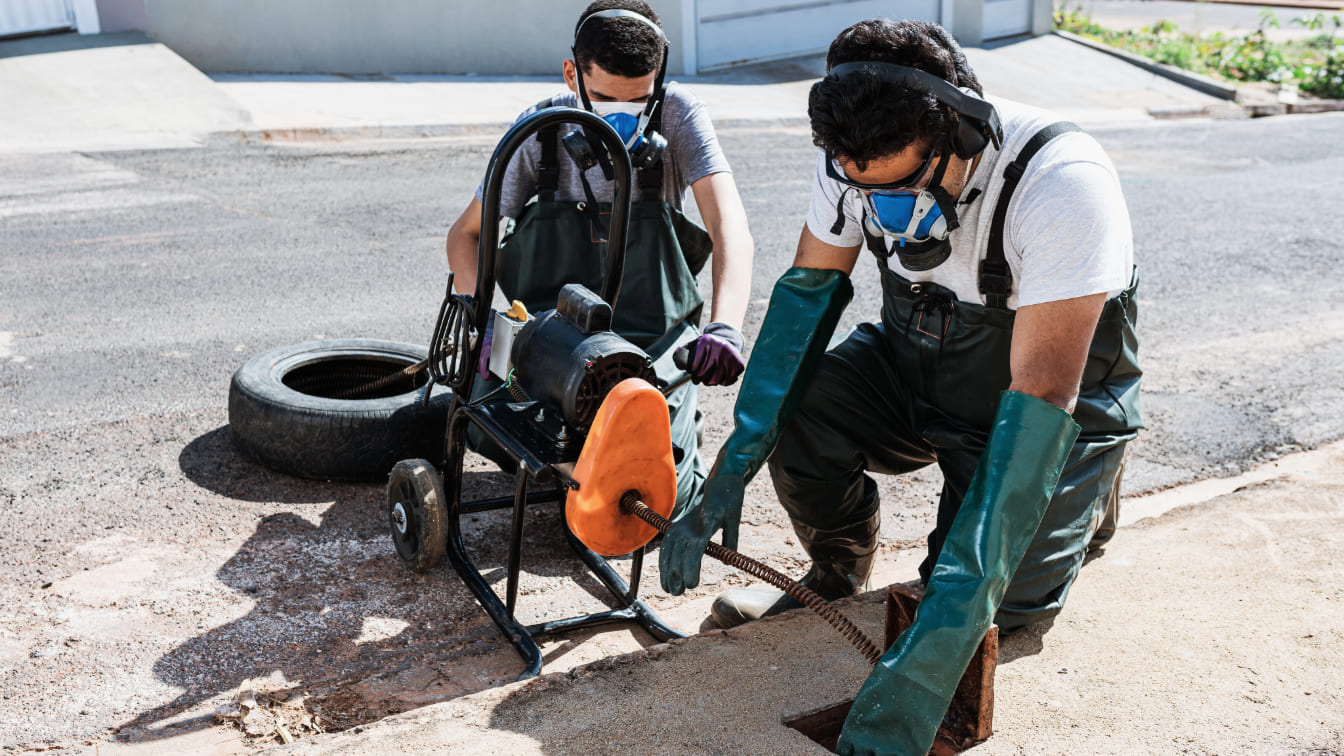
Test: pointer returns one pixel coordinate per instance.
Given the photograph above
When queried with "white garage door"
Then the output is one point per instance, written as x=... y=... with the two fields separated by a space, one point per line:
x=25 y=16
x=733 y=32
x=1004 y=18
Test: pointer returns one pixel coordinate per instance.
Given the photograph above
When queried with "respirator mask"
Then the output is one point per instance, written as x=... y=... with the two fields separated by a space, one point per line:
x=627 y=118
x=914 y=214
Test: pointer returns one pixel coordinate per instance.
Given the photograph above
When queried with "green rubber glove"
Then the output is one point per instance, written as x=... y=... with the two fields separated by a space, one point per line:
x=903 y=701
x=804 y=309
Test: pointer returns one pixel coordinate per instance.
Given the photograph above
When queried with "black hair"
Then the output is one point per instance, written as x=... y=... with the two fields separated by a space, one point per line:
x=860 y=117
x=620 y=46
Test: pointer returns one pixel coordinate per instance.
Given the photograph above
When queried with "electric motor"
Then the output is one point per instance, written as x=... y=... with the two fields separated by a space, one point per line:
x=569 y=359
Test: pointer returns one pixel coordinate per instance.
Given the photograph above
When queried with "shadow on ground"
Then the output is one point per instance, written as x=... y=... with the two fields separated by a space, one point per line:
x=335 y=619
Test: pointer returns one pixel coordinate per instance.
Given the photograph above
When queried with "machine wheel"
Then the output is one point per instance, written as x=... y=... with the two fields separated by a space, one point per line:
x=283 y=412
x=417 y=514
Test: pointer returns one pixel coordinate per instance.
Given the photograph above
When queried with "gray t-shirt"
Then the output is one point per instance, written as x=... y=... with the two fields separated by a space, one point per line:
x=692 y=153
x=1067 y=232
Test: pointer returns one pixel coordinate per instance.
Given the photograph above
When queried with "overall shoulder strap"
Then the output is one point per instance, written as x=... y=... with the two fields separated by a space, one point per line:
x=996 y=278
x=548 y=170
x=650 y=180
x=876 y=244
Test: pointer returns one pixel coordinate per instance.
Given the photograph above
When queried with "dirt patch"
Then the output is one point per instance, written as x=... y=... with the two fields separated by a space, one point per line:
x=152 y=574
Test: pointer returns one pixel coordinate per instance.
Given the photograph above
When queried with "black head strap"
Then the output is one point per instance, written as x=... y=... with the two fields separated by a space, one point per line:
x=662 y=67
x=977 y=115
x=651 y=178
x=839 y=224
x=940 y=195
x=548 y=170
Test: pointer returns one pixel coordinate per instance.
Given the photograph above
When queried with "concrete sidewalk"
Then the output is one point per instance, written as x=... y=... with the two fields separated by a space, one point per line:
x=125 y=91
x=106 y=92
x=1221 y=642
x=1079 y=83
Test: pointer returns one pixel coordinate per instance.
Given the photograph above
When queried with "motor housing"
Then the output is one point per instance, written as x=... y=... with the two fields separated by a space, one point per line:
x=569 y=358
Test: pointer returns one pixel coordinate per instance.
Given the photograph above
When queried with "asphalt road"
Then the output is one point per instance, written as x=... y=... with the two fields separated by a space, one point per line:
x=132 y=284
x=142 y=548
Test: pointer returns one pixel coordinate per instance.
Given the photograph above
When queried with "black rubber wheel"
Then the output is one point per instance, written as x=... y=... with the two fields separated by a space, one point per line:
x=417 y=514
x=282 y=412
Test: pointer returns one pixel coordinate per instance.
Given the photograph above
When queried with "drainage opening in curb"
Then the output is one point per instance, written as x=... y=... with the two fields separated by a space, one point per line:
x=969 y=718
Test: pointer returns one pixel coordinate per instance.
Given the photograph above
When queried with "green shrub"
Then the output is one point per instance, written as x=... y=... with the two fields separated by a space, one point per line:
x=1322 y=77
x=1315 y=66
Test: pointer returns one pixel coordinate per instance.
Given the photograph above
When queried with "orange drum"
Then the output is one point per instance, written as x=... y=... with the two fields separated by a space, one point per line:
x=629 y=448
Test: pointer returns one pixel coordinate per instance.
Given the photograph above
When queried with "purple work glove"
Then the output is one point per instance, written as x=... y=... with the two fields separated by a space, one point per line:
x=715 y=358
x=483 y=367
x=483 y=362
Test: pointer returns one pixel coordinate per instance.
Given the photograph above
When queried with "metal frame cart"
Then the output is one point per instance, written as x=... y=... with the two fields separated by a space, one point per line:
x=425 y=506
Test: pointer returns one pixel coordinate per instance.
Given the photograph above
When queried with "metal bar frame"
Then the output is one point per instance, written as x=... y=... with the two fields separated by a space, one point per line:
x=530 y=469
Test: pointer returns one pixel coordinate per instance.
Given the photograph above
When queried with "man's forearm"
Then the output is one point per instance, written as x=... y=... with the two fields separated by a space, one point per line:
x=730 y=274
x=1050 y=346
x=462 y=252
x=726 y=221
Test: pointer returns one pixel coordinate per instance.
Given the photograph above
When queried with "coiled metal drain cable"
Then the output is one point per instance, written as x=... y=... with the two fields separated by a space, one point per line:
x=631 y=504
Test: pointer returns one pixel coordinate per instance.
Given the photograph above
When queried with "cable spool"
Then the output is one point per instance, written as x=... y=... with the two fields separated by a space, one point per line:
x=450 y=347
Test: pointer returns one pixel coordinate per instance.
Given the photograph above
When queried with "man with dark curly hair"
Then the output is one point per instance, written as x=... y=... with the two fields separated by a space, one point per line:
x=617 y=72
x=1005 y=354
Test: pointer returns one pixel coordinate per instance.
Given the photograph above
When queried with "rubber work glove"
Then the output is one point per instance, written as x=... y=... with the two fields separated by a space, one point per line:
x=804 y=309
x=715 y=357
x=483 y=364
x=720 y=506
x=903 y=701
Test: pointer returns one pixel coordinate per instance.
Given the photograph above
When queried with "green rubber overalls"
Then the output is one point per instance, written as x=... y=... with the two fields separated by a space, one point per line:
x=555 y=242
x=922 y=387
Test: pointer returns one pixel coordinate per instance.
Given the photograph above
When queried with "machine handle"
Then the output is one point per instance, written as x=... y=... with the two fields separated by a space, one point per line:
x=494 y=182
x=682 y=357
x=488 y=248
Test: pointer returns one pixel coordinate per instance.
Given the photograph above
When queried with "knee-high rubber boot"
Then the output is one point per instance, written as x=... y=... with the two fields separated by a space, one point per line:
x=903 y=701
x=842 y=559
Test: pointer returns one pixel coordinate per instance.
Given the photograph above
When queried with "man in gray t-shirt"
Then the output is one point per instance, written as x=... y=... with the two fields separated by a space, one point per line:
x=620 y=55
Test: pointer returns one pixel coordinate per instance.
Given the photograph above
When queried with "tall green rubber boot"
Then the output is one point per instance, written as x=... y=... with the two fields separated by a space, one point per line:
x=903 y=701
x=804 y=310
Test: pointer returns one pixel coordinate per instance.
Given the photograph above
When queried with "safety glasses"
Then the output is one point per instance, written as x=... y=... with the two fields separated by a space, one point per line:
x=912 y=183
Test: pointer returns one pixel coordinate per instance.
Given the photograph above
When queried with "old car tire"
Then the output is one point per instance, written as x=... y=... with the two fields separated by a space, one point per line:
x=283 y=414
x=417 y=514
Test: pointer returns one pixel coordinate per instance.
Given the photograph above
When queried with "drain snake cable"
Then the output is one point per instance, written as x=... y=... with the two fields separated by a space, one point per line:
x=631 y=504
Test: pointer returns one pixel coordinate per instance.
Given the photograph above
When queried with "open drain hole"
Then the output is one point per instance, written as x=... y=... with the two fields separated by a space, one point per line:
x=969 y=718
x=823 y=725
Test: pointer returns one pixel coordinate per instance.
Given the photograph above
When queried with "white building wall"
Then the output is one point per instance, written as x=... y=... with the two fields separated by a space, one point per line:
x=734 y=32
x=505 y=37
x=388 y=36
x=28 y=16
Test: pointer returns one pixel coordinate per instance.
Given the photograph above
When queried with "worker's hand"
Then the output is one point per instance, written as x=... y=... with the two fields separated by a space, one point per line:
x=715 y=357
x=483 y=365
x=483 y=362
x=889 y=712
x=684 y=545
